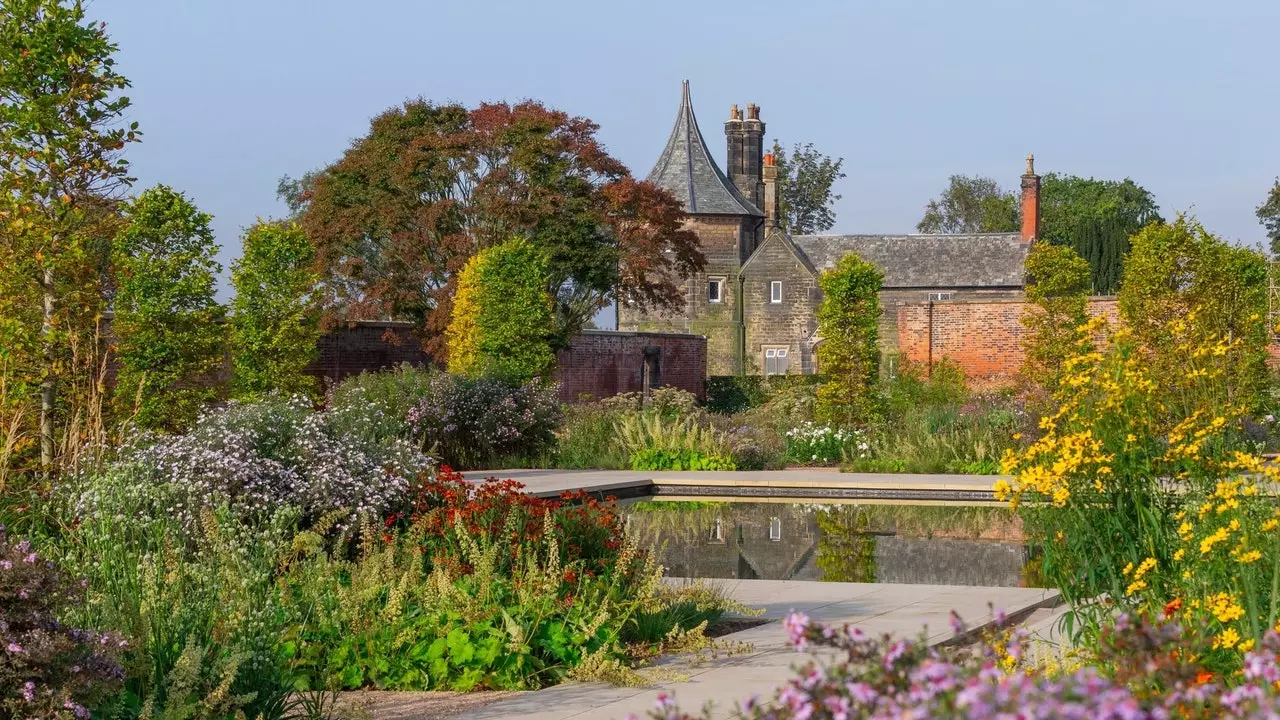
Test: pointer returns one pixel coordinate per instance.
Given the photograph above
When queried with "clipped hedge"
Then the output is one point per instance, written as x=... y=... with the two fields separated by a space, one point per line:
x=728 y=394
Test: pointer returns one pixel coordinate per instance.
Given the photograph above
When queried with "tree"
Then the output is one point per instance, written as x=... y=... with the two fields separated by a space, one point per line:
x=1096 y=219
x=1058 y=285
x=849 y=354
x=274 y=323
x=1269 y=216
x=971 y=205
x=1185 y=287
x=296 y=193
x=60 y=109
x=167 y=325
x=805 y=179
x=396 y=219
x=502 y=314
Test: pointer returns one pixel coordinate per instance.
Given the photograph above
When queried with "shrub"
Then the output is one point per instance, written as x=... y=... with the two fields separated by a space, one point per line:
x=812 y=444
x=375 y=406
x=168 y=327
x=256 y=458
x=47 y=669
x=655 y=443
x=729 y=394
x=1142 y=672
x=1058 y=288
x=588 y=439
x=474 y=422
x=274 y=314
x=685 y=459
x=849 y=354
x=502 y=320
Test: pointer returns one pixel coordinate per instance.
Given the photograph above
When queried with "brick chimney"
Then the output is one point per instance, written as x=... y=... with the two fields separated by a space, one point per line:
x=745 y=161
x=770 y=208
x=1030 y=202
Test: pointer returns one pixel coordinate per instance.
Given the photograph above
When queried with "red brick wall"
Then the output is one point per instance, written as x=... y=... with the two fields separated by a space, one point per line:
x=983 y=336
x=366 y=346
x=601 y=363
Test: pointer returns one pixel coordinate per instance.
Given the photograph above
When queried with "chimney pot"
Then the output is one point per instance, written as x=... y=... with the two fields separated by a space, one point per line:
x=734 y=112
x=753 y=111
x=768 y=159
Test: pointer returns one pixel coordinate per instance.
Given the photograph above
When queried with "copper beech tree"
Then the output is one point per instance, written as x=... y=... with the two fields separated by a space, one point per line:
x=396 y=219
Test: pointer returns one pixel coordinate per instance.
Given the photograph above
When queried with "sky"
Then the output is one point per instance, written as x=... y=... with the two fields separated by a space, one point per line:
x=1178 y=95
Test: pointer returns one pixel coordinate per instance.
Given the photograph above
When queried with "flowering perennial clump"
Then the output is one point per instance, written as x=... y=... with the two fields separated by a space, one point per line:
x=257 y=458
x=1145 y=677
x=813 y=444
x=48 y=670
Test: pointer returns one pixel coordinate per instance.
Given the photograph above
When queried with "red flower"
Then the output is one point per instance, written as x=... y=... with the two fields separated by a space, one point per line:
x=1172 y=607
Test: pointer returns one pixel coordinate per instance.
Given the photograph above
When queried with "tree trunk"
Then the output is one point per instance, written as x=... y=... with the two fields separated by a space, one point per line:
x=48 y=388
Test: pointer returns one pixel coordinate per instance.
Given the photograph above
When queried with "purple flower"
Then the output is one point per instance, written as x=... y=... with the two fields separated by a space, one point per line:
x=15 y=649
x=28 y=691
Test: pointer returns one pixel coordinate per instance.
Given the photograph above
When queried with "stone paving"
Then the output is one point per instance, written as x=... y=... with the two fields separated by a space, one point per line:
x=805 y=483
x=876 y=608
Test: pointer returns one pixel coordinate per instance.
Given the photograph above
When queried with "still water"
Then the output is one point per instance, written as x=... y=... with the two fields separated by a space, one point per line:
x=930 y=544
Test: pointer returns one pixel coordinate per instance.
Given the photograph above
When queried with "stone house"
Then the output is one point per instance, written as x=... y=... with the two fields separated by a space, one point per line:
x=757 y=298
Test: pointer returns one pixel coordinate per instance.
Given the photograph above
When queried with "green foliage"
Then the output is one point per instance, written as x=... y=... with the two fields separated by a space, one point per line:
x=274 y=325
x=683 y=459
x=729 y=394
x=805 y=178
x=1058 y=295
x=849 y=354
x=846 y=550
x=60 y=135
x=1096 y=219
x=1179 y=276
x=971 y=205
x=1269 y=215
x=168 y=327
x=502 y=314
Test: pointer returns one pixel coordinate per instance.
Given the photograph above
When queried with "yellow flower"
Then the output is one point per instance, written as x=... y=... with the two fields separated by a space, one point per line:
x=1251 y=556
x=1178 y=555
x=1001 y=489
x=1130 y=438
x=1135 y=586
x=1227 y=639
x=1270 y=525
x=1246 y=646
x=1235 y=524
x=1127 y=569
x=1144 y=567
x=1206 y=545
x=1224 y=607
x=1185 y=529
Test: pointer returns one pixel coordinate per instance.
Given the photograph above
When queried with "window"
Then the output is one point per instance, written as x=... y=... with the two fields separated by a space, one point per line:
x=775 y=291
x=934 y=297
x=775 y=361
x=715 y=290
x=775 y=529
x=716 y=535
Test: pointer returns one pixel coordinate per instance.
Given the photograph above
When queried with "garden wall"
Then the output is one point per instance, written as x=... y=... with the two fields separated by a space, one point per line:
x=597 y=363
x=983 y=336
x=602 y=363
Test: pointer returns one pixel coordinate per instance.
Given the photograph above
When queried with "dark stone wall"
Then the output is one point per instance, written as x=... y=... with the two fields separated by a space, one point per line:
x=366 y=346
x=603 y=363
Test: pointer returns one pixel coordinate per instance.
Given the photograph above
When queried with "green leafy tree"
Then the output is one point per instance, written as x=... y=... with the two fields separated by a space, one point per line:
x=274 y=315
x=1185 y=287
x=502 y=314
x=1096 y=219
x=1058 y=285
x=805 y=179
x=849 y=354
x=170 y=339
x=971 y=205
x=296 y=193
x=1269 y=216
x=60 y=138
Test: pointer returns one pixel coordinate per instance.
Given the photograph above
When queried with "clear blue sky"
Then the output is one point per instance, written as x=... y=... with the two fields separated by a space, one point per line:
x=1180 y=95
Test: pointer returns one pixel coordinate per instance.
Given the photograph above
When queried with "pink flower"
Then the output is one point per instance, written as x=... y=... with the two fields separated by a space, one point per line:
x=796 y=624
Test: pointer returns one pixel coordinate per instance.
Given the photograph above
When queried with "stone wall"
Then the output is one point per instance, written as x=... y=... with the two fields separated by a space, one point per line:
x=983 y=336
x=790 y=323
x=602 y=363
x=366 y=346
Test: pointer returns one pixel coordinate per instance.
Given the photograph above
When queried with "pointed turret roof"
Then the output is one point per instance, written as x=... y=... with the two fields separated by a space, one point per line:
x=687 y=171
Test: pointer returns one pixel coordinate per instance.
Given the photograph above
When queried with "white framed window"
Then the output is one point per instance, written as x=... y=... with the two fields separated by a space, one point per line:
x=775 y=529
x=936 y=296
x=775 y=291
x=776 y=360
x=715 y=290
x=716 y=534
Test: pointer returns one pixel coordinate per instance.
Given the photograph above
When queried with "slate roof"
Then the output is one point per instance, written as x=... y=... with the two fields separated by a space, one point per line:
x=927 y=261
x=687 y=170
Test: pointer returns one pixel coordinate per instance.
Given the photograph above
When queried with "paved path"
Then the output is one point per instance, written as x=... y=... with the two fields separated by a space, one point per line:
x=814 y=483
x=876 y=608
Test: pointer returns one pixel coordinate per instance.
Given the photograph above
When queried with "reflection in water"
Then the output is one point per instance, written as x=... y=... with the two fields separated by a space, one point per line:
x=947 y=545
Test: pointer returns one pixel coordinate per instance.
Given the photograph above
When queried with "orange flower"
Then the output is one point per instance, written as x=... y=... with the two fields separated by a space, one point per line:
x=1172 y=607
x=1204 y=677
